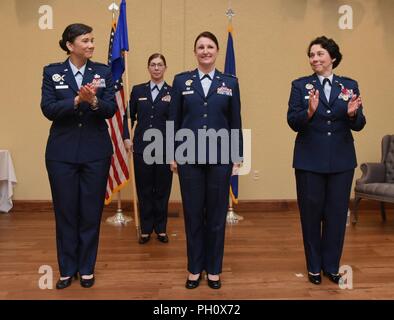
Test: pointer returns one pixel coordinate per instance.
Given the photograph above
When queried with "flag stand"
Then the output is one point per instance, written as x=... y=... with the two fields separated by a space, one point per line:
x=232 y=217
x=119 y=219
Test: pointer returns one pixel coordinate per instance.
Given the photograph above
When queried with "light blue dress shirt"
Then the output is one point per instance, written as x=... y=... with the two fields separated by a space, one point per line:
x=155 y=92
x=206 y=83
x=78 y=73
x=327 y=87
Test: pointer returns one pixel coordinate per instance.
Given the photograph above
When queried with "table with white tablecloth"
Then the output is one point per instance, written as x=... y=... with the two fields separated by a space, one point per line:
x=7 y=181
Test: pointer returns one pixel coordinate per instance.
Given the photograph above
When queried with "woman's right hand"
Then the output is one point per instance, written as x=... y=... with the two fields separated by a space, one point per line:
x=313 y=102
x=174 y=167
x=87 y=93
x=128 y=145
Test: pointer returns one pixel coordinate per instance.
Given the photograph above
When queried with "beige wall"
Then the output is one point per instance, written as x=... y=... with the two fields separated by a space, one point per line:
x=271 y=37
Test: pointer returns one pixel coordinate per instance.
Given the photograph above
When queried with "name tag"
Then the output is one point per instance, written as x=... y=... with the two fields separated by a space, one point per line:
x=61 y=87
x=225 y=91
x=142 y=99
x=187 y=92
x=306 y=97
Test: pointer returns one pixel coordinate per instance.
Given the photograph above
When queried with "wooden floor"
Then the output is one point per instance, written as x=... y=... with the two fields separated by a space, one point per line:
x=264 y=259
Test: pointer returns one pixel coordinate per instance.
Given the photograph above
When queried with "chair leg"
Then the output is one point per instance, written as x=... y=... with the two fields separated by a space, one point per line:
x=383 y=211
x=355 y=214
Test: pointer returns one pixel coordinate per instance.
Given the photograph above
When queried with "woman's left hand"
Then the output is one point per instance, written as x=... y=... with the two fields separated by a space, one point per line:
x=353 y=105
x=174 y=167
x=87 y=93
x=236 y=167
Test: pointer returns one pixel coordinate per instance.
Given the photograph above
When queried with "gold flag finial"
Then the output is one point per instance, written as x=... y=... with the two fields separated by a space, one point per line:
x=230 y=14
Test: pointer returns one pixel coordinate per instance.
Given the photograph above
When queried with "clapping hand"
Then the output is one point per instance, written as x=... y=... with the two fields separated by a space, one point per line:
x=313 y=102
x=87 y=93
x=353 y=105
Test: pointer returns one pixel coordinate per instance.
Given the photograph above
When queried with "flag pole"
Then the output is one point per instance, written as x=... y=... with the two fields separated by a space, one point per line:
x=118 y=218
x=131 y=160
x=113 y=7
x=232 y=217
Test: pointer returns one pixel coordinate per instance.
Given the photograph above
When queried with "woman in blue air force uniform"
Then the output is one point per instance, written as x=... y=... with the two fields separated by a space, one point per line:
x=149 y=106
x=206 y=99
x=323 y=109
x=77 y=96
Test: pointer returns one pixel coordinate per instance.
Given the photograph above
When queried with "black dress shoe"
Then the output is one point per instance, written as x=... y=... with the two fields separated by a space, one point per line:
x=86 y=283
x=192 y=284
x=214 y=284
x=315 y=279
x=334 y=277
x=163 y=239
x=143 y=240
x=62 y=284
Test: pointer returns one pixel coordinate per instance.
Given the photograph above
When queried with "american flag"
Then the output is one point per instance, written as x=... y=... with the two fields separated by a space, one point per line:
x=118 y=173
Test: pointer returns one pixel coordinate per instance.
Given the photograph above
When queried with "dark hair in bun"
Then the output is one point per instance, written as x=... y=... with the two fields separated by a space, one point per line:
x=71 y=32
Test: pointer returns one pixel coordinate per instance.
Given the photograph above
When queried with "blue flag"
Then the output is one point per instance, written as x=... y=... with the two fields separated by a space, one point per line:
x=229 y=67
x=120 y=44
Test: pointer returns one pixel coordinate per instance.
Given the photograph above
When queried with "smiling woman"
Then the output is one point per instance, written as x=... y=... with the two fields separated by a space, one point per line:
x=206 y=99
x=77 y=41
x=323 y=109
x=206 y=48
x=77 y=96
x=324 y=56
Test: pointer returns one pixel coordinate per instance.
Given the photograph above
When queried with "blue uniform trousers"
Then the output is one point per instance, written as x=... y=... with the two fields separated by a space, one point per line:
x=153 y=183
x=78 y=192
x=323 y=201
x=205 y=197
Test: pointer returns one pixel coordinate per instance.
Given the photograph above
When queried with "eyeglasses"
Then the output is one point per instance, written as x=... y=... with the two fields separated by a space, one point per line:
x=158 y=65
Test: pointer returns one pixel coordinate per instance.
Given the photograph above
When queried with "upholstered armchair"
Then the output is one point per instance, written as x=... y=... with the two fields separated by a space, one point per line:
x=377 y=180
